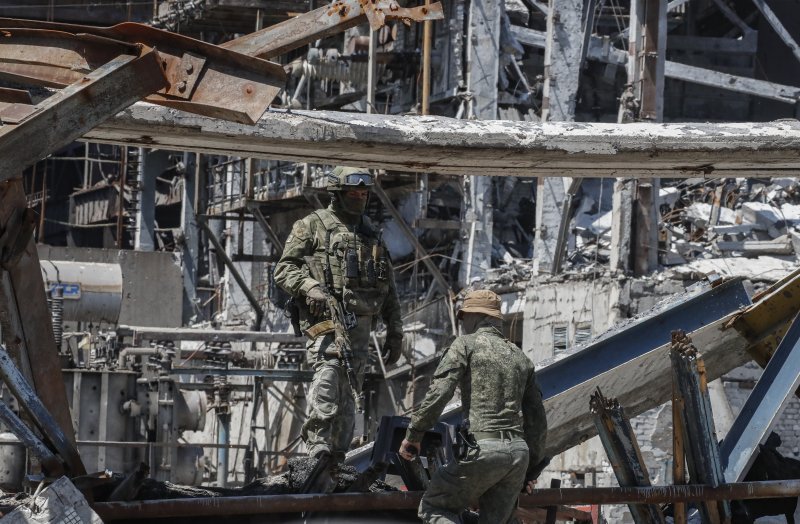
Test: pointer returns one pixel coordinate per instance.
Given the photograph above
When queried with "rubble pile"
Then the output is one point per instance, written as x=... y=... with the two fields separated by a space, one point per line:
x=728 y=226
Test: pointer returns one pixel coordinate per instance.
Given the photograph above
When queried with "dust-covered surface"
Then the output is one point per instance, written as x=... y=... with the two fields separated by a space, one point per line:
x=10 y=501
x=477 y=147
x=289 y=482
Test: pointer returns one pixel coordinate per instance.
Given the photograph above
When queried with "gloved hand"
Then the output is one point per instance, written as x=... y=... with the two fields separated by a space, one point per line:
x=392 y=348
x=408 y=450
x=316 y=301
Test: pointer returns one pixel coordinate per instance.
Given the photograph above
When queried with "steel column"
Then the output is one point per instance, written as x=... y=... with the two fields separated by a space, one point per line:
x=235 y=273
x=191 y=244
x=623 y=452
x=678 y=453
x=151 y=165
x=700 y=438
x=255 y=209
x=412 y=238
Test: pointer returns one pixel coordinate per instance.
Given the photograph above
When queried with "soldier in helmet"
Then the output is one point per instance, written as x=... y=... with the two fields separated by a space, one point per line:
x=503 y=412
x=344 y=249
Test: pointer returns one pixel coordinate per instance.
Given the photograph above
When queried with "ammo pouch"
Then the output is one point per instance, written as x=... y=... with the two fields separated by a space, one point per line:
x=362 y=302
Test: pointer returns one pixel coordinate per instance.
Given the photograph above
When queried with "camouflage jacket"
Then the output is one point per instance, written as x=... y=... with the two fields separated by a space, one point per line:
x=498 y=390
x=326 y=238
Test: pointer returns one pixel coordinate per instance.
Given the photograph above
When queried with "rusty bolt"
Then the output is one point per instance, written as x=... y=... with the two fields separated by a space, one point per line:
x=182 y=86
x=189 y=69
x=248 y=90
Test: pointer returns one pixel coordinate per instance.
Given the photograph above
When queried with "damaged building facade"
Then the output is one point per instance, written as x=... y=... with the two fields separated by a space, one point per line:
x=158 y=231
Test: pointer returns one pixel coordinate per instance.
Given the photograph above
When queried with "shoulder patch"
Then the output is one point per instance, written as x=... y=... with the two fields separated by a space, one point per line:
x=300 y=230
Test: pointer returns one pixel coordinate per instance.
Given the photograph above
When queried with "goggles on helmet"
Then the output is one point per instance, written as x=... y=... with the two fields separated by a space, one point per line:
x=359 y=179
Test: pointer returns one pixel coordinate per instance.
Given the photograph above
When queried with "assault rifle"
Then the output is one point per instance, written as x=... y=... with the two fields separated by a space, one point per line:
x=341 y=323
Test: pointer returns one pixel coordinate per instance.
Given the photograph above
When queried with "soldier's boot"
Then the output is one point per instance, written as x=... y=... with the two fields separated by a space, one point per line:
x=321 y=479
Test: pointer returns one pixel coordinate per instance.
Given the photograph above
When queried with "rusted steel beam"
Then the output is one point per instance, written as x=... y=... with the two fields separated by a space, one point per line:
x=622 y=448
x=201 y=78
x=401 y=500
x=662 y=494
x=72 y=111
x=697 y=420
x=41 y=417
x=326 y=21
x=678 y=454
x=26 y=325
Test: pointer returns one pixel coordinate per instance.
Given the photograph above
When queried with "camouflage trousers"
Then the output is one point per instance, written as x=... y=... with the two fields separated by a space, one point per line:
x=491 y=477
x=331 y=405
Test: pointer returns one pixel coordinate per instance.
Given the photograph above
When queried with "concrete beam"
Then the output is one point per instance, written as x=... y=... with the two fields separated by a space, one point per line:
x=480 y=147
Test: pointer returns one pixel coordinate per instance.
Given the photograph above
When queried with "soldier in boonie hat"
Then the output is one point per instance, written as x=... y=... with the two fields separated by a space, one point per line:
x=504 y=419
x=482 y=301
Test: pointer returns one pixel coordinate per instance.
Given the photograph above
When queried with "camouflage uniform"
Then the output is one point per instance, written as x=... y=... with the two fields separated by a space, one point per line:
x=503 y=405
x=323 y=238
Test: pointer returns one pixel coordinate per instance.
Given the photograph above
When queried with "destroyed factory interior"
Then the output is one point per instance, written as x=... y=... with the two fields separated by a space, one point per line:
x=624 y=174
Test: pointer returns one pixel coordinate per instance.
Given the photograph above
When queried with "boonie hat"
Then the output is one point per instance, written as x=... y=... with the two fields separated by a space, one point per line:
x=482 y=301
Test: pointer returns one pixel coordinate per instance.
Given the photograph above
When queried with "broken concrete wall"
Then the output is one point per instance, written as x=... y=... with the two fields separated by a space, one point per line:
x=556 y=310
x=566 y=311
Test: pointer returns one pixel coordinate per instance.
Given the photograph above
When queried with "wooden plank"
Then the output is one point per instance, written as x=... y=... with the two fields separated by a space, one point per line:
x=449 y=146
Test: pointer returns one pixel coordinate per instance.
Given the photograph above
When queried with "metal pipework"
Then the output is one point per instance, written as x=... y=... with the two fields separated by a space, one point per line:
x=623 y=452
x=91 y=291
x=401 y=500
x=223 y=440
x=427 y=37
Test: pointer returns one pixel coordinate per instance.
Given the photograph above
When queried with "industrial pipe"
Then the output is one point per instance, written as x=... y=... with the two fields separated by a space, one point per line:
x=134 y=352
x=427 y=37
x=662 y=494
x=400 y=500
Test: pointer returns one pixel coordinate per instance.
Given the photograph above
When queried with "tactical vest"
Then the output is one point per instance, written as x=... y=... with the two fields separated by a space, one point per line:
x=354 y=259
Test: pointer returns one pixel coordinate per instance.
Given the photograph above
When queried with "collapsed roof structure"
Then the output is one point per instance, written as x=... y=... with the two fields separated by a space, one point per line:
x=196 y=187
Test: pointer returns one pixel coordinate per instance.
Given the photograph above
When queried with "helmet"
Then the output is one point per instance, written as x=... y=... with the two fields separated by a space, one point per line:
x=343 y=177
